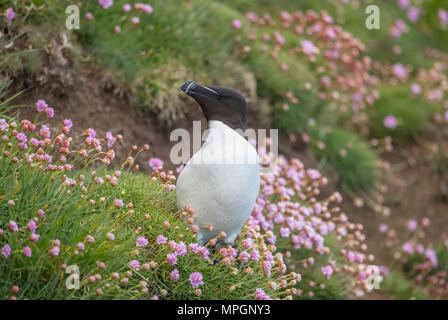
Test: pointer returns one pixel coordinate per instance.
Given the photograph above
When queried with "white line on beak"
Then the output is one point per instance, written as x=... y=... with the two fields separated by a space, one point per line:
x=188 y=88
x=209 y=89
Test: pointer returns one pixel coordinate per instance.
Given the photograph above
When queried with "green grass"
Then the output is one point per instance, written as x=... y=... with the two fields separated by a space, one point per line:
x=412 y=113
x=70 y=219
x=396 y=286
x=350 y=156
x=336 y=289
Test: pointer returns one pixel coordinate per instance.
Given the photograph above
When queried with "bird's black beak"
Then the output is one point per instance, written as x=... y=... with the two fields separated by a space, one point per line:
x=194 y=89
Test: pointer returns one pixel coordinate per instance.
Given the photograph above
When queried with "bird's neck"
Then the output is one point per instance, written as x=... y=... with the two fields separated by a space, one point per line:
x=221 y=126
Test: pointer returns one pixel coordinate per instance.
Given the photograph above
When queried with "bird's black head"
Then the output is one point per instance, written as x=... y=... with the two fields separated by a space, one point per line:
x=219 y=103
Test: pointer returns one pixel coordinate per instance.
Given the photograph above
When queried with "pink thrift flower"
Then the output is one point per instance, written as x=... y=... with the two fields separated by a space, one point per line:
x=181 y=249
x=27 y=251
x=412 y=225
x=390 y=122
x=266 y=265
x=204 y=252
x=141 y=242
x=398 y=28
x=261 y=295
x=91 y=133
x=117 y=29
x=171 y=258
x=41 y=105
x=172 y=244
x=6 y=250
x=175 y=276
x=161 y=239
x=89 y=16
x=126 y=7
x=254 y=255
x=49 y=112
x=313 y=174
x=408 y=248
x=34 y=142
x=147 y=8
x=21 y=137
x=416 y=89
x=45 y=131
x=4 y=125
x=118 y=203
x=193 y=247
x=244 y=256
x=431 y=256
x=248 y=243
x=10 y=14
x=196 y=280
x=155 y=163
x=308 y=47
x=110 y=139
x=106 y=3
x=284 y=232
x=413 y=14
x=401 y=25
x=34 y=237
x=68 y=123
x=236 y=24
x=399 y=71
x=327 y=271
x=134 y=264
x=12 y=226
x=54 y=251
x=403 y=4
x=110 y=236
x=443 y=17
x=135 y=20
x=351 y=256
x=41 y=213
x=32 y=226
x=279 y=38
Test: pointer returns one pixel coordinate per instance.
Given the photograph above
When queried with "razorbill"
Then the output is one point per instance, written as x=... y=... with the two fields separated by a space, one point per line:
x=221 y=181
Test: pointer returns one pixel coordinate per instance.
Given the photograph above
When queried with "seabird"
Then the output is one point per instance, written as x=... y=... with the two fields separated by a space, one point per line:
x=221 y=181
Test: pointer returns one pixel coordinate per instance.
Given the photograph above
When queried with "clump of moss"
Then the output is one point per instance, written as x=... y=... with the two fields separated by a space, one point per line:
x=349 y=156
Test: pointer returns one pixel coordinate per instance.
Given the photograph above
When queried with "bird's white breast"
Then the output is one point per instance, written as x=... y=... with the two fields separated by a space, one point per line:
x=220 y=182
